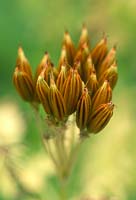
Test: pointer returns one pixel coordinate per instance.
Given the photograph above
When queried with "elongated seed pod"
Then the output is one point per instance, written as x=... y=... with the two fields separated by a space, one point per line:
x=83 y=109
x=42 y=65
x=77 y=90
x=100 y=117
x=61 y=78
x=81 y=57
x=63 y=58
x=72 y=90
x=24 y=85
x=107 y=62
x=92 y=84
x=111 y=74
x=99 y=52
x=102 y=95
x=78 y=61
x=48 y=68
x=70 y=48
x=85 y=51
x=57 y=102
x=84 y=37
x=88 y=68
x=42 y=91
x=22 y=63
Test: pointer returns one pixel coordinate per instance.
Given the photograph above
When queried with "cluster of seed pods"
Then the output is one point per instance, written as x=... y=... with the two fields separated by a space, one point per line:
x=82 y=83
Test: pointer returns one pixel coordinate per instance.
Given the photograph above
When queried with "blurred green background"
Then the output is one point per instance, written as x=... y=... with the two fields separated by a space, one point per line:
x=38 y=25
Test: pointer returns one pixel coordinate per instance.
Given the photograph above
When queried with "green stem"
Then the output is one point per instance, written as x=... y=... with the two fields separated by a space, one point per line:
x=63 y=195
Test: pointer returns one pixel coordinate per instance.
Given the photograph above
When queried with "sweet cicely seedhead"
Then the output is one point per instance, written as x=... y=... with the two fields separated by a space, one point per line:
x=81 y=83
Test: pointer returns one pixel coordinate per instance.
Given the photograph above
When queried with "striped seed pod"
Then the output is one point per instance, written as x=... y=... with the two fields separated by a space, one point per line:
x=102 y=95
x=56 y=101
x=22 y=63
x=42 y=65
x=83 y=109
x=70 y=48
x=63 y=58
x=84 y=37
x=85 y=52
x=92 y=84
x=72 y=90
x=81 y=56
x=88 y=68
x=24 y=85
x=78 y=61
x=61 y=78
x=100 y=117
x=55 y=71
x=111 y=74
x=42 y=91
x=48 y=70
x=107 y=62
x=99 y=52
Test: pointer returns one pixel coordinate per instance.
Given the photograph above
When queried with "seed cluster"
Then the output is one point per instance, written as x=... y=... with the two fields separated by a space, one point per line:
x=82 y=83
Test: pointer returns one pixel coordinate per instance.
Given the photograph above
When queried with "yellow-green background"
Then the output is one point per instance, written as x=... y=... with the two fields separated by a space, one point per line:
x=107 y=164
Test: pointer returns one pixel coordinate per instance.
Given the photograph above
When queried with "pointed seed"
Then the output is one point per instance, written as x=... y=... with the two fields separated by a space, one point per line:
x=100 y=117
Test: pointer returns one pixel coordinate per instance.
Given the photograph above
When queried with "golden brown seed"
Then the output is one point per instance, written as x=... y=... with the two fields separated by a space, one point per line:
x=111 y=74
x=42 y=90
x=80 y=57
x=24 y=85
x=107 y=62
x=57 y=102
x=83 y=109
x=22 y=63
x=61 y=78
x=72 y=90
x=63 y=58
x=42 y=65
x=92 y=84
x=88 y=68
x=99 y=52
x=102 y=95
x=70 y=48
x=100 y=117
x=84 y=38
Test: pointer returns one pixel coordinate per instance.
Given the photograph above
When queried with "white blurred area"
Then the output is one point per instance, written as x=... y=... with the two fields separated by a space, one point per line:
x=32 y=170
x=12 y=124
x=35 y=172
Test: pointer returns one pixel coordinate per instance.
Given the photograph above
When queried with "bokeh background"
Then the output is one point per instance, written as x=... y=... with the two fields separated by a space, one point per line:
x=107 y=163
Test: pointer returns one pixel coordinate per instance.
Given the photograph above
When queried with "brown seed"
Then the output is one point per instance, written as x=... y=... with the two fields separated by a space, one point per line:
x=92 y=84
x=83 y=109
x=84 y=38
x=111 y=74
x=70 y=48
x=57 y=102
x=81 y=57
x=42 y=90
x=100 y=117
x=24 y=85
x=61 y=78
x=107 y=62
x=72 y=90
x=102 y=95
x=88 y=68
x=42 y=65
x=63 y=58
x=22 y=63
x=99 y=52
